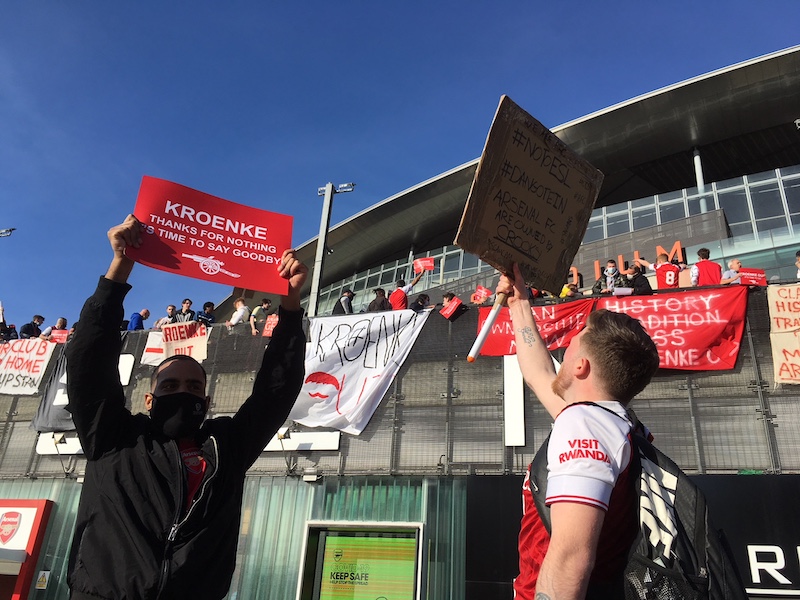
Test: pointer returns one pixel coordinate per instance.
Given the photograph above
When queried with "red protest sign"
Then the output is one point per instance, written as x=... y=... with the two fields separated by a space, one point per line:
x=269 y=325
x=557 y=324
x=59 y=336
x=695 y=330
x=753 y=276
x=204 y=237
x=452 y=308
x=480 y=295
x=424 y=264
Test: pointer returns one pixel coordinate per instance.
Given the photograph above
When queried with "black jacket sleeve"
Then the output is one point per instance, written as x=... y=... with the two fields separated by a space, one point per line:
x=275 y=390
x=96 y=397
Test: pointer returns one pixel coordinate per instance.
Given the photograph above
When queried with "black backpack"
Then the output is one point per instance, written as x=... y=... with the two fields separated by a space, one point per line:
x=678 y=554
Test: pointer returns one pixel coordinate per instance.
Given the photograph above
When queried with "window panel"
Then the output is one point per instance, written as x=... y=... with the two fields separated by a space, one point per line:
x=644 y=218
x=770 y=224
x=594 y=231
x=729 y=183
x=766 y=201
x=735 y=206
x=671 y=212
x=792 y=190
x=618 y=223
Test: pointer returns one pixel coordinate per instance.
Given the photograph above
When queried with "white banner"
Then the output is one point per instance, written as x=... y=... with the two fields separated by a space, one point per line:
x=177 y=338
x=187 y=338
x=351 y=361
x=784 y=327
x=22 y=365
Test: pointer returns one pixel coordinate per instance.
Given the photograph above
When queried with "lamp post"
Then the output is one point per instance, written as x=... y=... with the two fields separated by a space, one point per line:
x=325 y=222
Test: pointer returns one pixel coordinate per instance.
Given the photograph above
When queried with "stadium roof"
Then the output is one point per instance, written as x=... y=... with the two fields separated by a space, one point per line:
x=740 y=118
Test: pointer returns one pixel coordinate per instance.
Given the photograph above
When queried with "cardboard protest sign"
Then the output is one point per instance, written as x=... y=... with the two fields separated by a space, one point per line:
x=201 y=236
x=784 y=331
x=530 y=201
x=424 y=264
x=22 y=365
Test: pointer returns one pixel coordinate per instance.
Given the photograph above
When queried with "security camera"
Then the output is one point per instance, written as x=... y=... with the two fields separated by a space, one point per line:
x=797 y=123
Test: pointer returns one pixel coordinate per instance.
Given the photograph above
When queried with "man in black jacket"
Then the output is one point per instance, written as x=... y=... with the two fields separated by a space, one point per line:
x=160 y=509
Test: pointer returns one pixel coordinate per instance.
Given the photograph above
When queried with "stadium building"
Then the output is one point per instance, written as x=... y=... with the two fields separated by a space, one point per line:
x=433 y=480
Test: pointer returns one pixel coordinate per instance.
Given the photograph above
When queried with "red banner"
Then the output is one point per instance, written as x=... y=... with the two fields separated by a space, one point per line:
x=557 y=324
x=201 y=236
x=696 y=330
x=424 y=264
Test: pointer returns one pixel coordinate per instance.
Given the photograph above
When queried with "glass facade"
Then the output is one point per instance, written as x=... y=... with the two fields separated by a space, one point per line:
x=762 y=210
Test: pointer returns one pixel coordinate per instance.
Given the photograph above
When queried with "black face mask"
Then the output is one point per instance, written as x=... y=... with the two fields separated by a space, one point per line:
x=178 y=415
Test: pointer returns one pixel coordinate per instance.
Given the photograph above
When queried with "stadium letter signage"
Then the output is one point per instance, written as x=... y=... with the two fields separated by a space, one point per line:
x=205 y=237
x=530 y=200
x=694 y=330
x=784 y=326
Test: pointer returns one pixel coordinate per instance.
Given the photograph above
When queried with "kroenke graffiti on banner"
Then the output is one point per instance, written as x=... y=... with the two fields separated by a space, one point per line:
x=201 y=236
x=22 y=366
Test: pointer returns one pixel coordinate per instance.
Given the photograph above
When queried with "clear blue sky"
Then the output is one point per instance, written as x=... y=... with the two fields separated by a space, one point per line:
x=261 y=103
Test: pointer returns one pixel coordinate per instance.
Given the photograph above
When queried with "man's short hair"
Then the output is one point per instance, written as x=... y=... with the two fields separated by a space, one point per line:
x=39 y=317
x=208 y=305
x=239 y=299
x=612 y=261
x=401 y=283
x=185 y=300
x=379 y=291
x=266 y=301
x=172 y=306
x=703 y=253
x=732 y=262
x=449 y=296
x=622 y=351
x=157 y=370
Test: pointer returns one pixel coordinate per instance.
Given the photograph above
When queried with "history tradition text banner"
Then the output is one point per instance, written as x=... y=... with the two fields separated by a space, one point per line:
x=204 y=237
x=695 y=330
